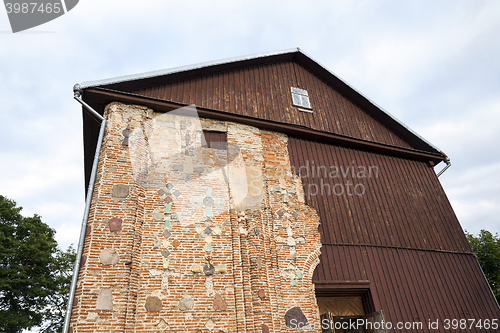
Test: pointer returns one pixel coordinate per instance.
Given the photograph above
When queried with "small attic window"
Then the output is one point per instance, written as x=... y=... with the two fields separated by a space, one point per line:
x=300 y=98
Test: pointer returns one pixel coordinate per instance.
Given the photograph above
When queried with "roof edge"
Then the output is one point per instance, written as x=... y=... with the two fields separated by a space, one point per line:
x=147 y=75
x=370 y=101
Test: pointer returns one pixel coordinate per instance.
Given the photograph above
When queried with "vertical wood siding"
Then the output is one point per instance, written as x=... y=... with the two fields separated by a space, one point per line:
x=401 y=235
x=402 y=204
x=414 y=286
x=264 y=92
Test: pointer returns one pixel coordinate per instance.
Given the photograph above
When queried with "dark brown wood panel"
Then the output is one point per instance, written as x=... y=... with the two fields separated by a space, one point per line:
x=264 y=92
x=401 y=234
x=414 y=286
x=375 y=199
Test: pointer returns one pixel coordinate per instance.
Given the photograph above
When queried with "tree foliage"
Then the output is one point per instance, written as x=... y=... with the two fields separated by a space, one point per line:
x=34 y=274
x=486 y=246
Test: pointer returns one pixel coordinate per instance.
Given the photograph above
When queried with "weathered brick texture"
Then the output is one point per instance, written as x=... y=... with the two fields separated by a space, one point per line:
x=189 y=239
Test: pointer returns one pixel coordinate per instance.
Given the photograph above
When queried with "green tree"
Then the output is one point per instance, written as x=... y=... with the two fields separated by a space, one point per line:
x=486 y=246
x=34 y=274
x=63 y=272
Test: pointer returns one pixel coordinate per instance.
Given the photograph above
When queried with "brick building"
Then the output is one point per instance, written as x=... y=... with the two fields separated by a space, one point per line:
x=260 y=193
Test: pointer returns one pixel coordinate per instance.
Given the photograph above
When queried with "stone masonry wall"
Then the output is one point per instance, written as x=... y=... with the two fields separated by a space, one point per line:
x=183 y=238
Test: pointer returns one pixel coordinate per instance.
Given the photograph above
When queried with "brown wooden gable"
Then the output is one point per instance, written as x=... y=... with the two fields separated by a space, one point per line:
x=255 y=90
x=264 y=92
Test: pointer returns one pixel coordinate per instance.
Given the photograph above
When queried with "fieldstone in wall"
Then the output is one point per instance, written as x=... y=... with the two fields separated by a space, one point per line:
x=83 y=260
x=197 y=269
x=186 y=303
x=115 y=224
x=109 y=257
x=177 y=167
x=165 y=253
x=210 y=324
x=219 y=303
x=104 y=300
x=209 y=269
x=265 y=328
x=166 y=234
x=294 y=318
x=120 y=191
x=221 y=269
x=153 y=304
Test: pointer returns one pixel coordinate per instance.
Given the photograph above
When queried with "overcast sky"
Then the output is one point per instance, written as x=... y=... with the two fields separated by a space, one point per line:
x=435 y=65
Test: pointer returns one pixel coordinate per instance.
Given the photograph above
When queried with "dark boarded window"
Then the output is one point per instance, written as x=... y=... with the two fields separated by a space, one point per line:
x=214 y=139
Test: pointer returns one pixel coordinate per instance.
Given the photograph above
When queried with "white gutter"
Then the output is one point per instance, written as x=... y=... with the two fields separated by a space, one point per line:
x=77 y=95
x=448 y=164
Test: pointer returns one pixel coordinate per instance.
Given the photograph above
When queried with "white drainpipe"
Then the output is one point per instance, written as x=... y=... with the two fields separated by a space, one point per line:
x=77 y=95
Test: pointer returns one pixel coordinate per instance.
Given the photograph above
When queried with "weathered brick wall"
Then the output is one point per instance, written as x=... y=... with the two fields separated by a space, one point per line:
x=189 y=239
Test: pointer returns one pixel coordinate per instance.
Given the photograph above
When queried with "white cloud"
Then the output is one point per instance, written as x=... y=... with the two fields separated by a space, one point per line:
x=469 y=135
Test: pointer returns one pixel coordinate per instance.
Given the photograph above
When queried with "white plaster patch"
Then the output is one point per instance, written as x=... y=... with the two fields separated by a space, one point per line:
x=165 y=278
x=155 y=272
x=92 y=316
x=237 y=180
x=246 y=185
x=219 y=202
x=188 y=164
x=289 y=272
x=298 y=189
x=279 y=239
x=197 y=201
x=164 y=282
x=209 y=285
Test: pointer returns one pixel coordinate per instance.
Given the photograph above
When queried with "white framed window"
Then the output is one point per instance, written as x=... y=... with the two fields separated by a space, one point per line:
x=300 y=98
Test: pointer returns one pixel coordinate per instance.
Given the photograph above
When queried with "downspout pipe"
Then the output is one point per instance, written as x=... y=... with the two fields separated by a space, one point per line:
x=448 y=164
x=77 y=90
